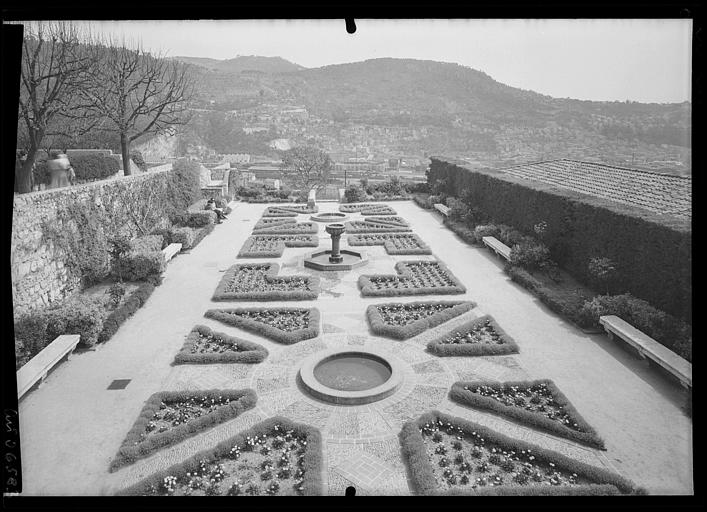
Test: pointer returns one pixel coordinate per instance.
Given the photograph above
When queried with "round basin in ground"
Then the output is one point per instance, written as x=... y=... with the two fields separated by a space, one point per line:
x=350 y=377
x=329 y=217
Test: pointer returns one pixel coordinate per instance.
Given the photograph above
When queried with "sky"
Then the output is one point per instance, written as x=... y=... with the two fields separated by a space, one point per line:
x=603 y=60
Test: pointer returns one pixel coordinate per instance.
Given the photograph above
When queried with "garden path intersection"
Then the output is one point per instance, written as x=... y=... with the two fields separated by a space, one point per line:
x=72 y=427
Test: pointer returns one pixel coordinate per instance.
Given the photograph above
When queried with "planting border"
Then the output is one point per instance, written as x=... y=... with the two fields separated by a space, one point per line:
x=368 y=288
x=222 y=293
x=357 y=240
x=369 y=228
x=288 y=210
x=367 y=209
x=532 y=419
x=129 y=452
x=288 y=229
x=135 y=301
x=268 y=331
x=313 y=457
x=403 y=332
x=440 y=349
x=247 y=252
x=393 y=221
x=423 y=481
x=266 y=222
x=253 y=353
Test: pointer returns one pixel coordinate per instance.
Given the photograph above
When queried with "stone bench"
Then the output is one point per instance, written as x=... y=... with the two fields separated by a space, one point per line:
x=648 y=347
x=497 y=246
x=37 y=368
x=171 y=250
x=444 y=210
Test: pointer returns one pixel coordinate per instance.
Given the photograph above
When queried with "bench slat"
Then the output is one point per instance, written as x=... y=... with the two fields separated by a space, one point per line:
x=171 y=250
x=444 y=210
x=39 y=365
x=498 y=246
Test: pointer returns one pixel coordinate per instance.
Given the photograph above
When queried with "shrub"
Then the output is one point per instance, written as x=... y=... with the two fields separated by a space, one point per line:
x=147 y=243
x=354 y=194
x=94 y=166
x=116 y=292
x=458 y=210
x=603 y=270
x=184 y=184
x=30 y=336
x=138 y=266
x=136 y=157
x=486 y=230
x=182 y=235
x=116 y=318
x=530 y=255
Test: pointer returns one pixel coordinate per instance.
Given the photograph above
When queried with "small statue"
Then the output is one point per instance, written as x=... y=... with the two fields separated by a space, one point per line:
x=61 y=171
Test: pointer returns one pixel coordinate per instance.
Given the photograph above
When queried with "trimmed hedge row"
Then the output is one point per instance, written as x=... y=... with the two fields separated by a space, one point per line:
x=423 y=481
x=653 y=252
x=403 y=332
x=440 y=349
x=368 y=288
x=129 y=452
x=288 y=229
x=266 y=222
x=534 y=419
x=228 y=317
x=251 y=353
x=249 y=249
x=385 y=239
x=313 y=457
x=135 y=301
x=222 y=292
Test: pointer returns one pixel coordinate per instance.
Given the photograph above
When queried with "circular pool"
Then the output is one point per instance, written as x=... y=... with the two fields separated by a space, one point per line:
x=329 y=217
x=351 y=377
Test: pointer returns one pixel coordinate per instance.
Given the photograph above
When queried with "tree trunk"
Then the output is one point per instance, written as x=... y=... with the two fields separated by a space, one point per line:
x=23 y=174
x=125 y=150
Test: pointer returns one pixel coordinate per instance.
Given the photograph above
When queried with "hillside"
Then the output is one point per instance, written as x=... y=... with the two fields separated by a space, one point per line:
x=244 y=63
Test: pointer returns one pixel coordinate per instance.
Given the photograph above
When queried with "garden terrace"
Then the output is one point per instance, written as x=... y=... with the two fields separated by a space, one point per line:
x=286 y=325
x=446 y=453
x=394 y=243
x=276 y=457
x=288 y=229
x=405 y=320
x=479 y=337
x=414 y=278
x=204 y=346
x=168 y=417
x=259 y=281
x=367 y=209
x=366 y=226
x=262 y=246
x=539 y=404
x=288 y=210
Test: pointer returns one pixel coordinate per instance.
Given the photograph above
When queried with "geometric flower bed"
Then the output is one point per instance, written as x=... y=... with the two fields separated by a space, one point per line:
x=419 y=277
x=275 y=457
x=265 y=222
x=389 y=219
x=204 y=346
x=288 y=229
x=479 y=337
x=394 y=243
x=169 y=417
x=537 y=403
x=259 y=281
x=261 y=246
x=367 y=226
x=288 y=211
x=367 y=209
x=405 y=320
x=286 y=325
x=450 y=455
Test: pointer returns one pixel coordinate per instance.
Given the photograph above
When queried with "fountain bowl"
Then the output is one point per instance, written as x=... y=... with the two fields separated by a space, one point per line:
x=319 y=260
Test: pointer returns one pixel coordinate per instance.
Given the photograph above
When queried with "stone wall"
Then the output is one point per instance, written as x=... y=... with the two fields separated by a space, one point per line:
x=39 y=272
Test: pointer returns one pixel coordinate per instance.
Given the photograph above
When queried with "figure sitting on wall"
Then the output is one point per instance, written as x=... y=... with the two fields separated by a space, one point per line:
x=211 y=205
x=61 y=171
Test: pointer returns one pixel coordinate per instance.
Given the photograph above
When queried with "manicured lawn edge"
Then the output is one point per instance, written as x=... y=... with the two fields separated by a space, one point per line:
x=423 y=480
x=129 y=452
x=288 y=229
x=404 y=332
x=438 y=348
x=534 y=419
x=221 y=293
x=134 y=302
x=368 y=287
x=252 y=353
x=313 y=457
x=268 y=331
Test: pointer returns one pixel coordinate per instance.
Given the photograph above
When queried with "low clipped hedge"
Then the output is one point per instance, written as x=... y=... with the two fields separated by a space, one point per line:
x=313 y=456
x=390 y=248
x=403 y=332
x=129 y=452
x=94 y=166
x=134 y=302
x=268 y=331
x=423 y=481
x=368 y=288
x=438 y=348
x=140 y=266
x=423 y=201
x=222 y=292
x=248 y=250
x=251 y=353
x=265 y=222
x=530 y=418
x=301 y=228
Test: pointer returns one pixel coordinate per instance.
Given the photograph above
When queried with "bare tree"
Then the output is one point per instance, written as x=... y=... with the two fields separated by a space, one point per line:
x=55 y=68
x=136 y=94
x=310 y=165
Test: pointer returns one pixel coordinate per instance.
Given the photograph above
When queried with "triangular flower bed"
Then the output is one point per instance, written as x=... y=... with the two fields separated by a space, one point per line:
x=288 y=210
x=288 y=229
x=286 y=325
x=389 y=219
x=405 y=320
x=274 y=457
x=169 y=417
x=479 y=337
x=204 y=346
x=266 y=222
x=538 y=403
x=394 y=243
x=367 y=209
x=419 y=277
x=367 y=226
x=259 y=281
x=272 y=246
x=450 y=455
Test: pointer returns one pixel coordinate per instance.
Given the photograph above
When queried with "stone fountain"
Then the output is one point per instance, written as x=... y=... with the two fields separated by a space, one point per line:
x=336 y=258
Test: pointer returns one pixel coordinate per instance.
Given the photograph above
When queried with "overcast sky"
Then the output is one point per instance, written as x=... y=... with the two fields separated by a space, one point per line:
x=640 y=60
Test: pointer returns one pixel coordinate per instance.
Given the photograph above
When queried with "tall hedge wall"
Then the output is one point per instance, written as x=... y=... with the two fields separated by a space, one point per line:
x=653 y=253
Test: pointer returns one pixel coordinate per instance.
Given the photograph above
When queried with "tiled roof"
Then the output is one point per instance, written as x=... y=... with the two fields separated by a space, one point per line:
x=659 y=193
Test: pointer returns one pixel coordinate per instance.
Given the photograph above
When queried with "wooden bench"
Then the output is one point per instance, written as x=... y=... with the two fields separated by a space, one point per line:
x=444 y=210
x=648 y=347
x=171 y=250
x=37 y=368
x=498 y=247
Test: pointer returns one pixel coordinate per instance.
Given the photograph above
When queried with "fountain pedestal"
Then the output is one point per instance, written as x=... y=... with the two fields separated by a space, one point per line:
x=336 y=258
x=335 y=230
